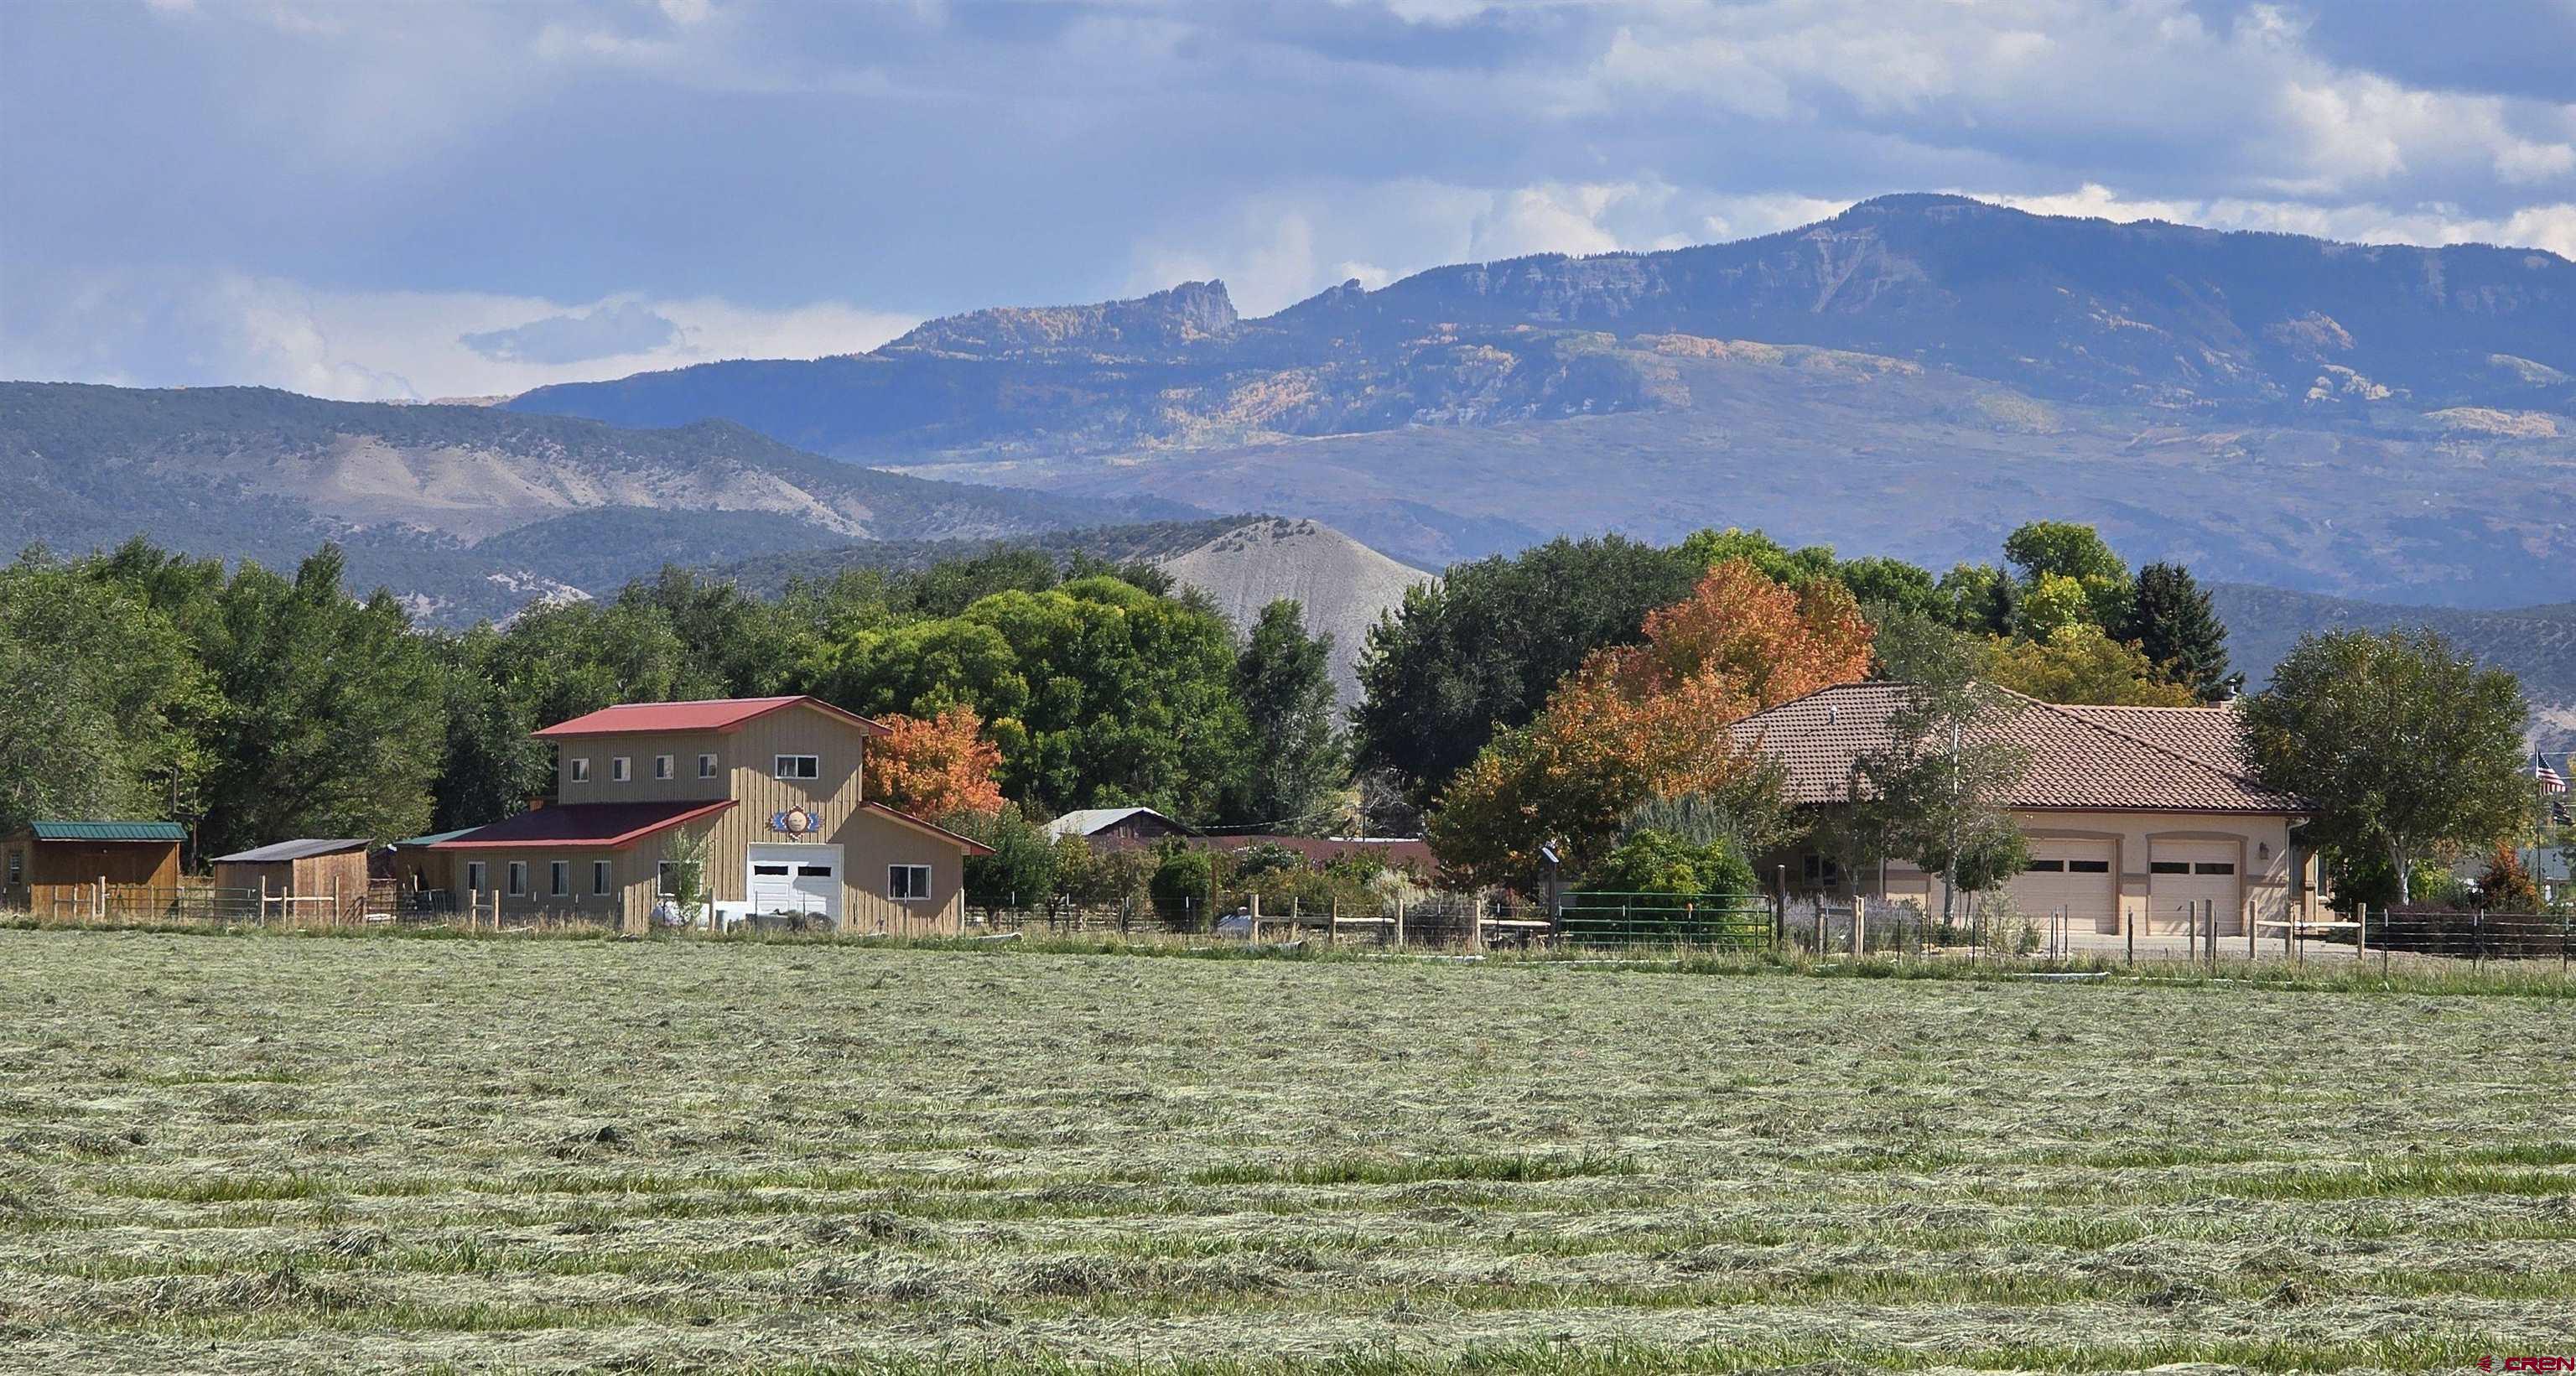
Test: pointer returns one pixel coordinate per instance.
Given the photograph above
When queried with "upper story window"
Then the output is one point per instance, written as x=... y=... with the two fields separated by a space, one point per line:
x=706 y=766
x=620 y=769
x=577 y=769
x=661 y=766
x=798 y=767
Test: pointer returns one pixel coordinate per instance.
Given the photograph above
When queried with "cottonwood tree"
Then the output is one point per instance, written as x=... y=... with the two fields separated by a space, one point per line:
x=938 y=766
x=2078 y=663
x=2407 y=749
x=1646 y=721
x=1296 y=764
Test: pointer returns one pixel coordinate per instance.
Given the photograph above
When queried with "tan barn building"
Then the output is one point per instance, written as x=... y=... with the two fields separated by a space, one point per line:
x=46 y=857
x=327 y=876
x=2135 y=815
x=774 y=787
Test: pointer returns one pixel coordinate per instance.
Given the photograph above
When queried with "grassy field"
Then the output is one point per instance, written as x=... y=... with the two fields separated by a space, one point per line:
x=263 y=1154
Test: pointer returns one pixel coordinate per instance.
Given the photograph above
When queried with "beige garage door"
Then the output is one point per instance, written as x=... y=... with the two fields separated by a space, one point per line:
x=2073 y=878
x=2183 y=875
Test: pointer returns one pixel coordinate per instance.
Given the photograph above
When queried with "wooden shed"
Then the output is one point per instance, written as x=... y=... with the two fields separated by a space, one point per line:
x=328 y=869
x=60 y=855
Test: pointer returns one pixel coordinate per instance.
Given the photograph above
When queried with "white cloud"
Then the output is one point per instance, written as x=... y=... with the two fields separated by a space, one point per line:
x=2550 y=227
x=160 y=329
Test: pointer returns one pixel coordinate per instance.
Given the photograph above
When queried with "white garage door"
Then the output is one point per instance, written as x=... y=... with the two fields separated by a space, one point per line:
x=2073 y=878
x=2184 y=875
x=795 y=879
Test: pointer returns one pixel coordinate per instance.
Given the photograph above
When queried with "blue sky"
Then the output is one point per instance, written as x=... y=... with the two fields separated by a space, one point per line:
x=415 y=199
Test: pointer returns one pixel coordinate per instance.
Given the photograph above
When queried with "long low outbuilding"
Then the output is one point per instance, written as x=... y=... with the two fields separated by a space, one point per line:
x=330 y=872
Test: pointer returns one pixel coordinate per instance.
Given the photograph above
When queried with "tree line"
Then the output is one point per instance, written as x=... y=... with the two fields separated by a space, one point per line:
x=259 y=705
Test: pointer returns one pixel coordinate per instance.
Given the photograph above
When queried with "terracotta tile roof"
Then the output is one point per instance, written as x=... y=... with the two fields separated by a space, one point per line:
x=713 y=714
x=609 y=826
x=2080 y=757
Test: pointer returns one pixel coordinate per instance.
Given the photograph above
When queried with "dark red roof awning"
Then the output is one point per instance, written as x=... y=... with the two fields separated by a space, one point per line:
x=606 y=826
x=714 y=714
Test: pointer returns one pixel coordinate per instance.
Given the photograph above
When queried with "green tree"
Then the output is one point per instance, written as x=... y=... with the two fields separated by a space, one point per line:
x=1934 y=791
x=1296 y=765
x=101 y=701
x=334 y=722
x=1021 y=870
x=2078 y=663
x=1888 y=587
x=1183 y=885
x=490 y=764
x=1706 y=549
x=1477 y=653
x=2174 y=624
x=1981 y=598
x=2406 y=748
x=2064 y=548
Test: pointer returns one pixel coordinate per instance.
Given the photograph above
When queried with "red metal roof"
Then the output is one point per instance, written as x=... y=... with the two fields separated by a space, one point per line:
x=712 y=714
x=608 y=826
x=973 y=846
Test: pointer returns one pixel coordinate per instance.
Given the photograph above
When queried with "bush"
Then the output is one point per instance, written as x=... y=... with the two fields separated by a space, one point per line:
x=1181 y=881
x=1658 y=862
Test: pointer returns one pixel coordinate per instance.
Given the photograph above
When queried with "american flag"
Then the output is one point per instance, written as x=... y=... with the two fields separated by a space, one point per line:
x=2551 y=781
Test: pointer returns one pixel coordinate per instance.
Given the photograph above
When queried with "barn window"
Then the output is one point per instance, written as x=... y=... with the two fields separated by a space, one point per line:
x=518 y=879
x=706 y=766
x=474 y=876
x=620 y=769
x=907 y=883
x=17 y=866
x=661 y=766
x=559 y=878
x=798 y=767
x=599 y=877
x=580 y=769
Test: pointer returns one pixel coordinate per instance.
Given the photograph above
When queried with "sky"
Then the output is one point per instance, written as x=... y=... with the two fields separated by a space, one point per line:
x=388 y=199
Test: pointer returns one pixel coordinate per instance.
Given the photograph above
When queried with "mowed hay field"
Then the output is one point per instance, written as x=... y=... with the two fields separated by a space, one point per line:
x=266 y=1154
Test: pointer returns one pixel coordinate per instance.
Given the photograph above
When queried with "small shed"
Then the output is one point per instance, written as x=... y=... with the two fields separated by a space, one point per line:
x=65 y=854
x=333 y=868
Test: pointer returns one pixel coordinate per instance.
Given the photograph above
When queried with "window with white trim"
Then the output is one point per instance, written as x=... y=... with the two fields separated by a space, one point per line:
x=620 y=769
x=599 y=877
x=577 y=769
x=518 y=879
x=474 y=876
x=907 y=883
x=661 y=766
x=797 y=767
x=706 y=766
x=559 y=878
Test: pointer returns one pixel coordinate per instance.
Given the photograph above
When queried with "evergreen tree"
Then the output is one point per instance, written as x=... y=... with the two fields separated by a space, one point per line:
x=1296 y=762
x=2181 y=635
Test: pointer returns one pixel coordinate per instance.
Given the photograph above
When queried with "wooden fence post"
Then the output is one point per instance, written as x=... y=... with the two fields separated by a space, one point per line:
x=1399 y=924
x=1253 y=932
x=1860 y=926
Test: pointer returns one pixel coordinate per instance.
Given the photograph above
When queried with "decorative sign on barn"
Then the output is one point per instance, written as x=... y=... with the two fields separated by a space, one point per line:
x=795 y=823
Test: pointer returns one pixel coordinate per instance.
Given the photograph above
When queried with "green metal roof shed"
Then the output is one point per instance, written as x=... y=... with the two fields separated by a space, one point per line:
x=107 y=831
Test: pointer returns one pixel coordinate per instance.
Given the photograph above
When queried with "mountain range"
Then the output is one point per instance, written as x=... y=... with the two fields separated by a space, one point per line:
x=1913 y=377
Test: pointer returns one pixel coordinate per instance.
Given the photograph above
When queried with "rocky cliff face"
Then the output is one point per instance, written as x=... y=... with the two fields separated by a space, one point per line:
x=1163 y=325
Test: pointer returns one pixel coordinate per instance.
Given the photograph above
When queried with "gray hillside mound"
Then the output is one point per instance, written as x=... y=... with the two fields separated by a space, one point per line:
x=1342 y=584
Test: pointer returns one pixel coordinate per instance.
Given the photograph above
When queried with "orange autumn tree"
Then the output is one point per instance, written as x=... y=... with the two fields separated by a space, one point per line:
x=1646 y=721
x=936 y=766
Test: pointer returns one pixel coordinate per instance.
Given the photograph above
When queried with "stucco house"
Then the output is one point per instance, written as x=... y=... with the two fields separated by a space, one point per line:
x=776 y=787
x=2135 y=815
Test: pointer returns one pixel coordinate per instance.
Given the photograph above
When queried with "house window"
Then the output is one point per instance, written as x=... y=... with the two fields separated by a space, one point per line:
x=599 y=877
x=518 y=879
x=580 y=769
x=907 y=883
x=620 y=769
x=559 y=878
x=706 y=766
x=474 y=876
x=661 y=766
x=1820 y=869
x=798 y=767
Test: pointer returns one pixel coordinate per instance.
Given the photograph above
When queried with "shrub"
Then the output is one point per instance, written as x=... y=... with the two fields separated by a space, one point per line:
x=1658 y=862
